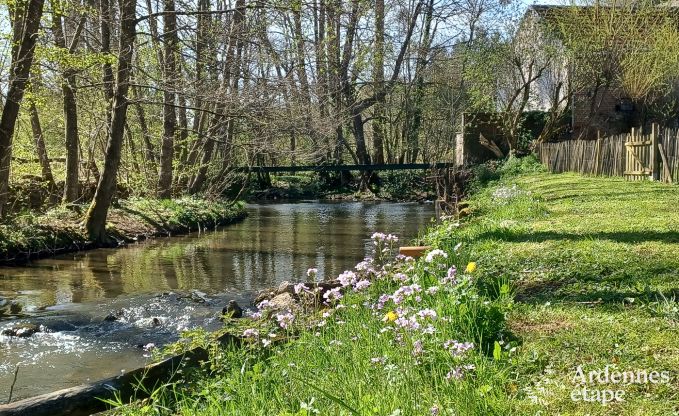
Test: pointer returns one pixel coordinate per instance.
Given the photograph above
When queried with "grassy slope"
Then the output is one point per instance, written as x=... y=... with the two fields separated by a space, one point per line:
x=577 y=251
x=588 y=258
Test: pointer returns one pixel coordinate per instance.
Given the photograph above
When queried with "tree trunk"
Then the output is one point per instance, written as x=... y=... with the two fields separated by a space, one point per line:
x=68 y=88
x=378 y=79
x=169 y=112
x=96 y=215
x=40 y=148
x=28 y=21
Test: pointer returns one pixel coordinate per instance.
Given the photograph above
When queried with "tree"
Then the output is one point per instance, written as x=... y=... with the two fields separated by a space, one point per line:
x=96 y=215
x=25 y=22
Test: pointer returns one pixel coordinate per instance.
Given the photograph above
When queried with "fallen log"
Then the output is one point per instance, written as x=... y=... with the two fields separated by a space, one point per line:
x=87 y=399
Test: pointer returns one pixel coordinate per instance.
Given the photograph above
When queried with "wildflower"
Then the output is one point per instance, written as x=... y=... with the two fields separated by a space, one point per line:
x=457 y=348
x=401 y=277
x=382 y=300
x=378 y=237
x=335 y=342
x=251 y=333
x=434 y=254
x=471 y=267
x=455 y=373
x=434 y=410
x=417 y=348
x=263 y=305
x=429 y=330
x=365 y=265
x=301 y=287
x=256 y=315
x=432 y=290
x=457 y=247
x=285 y=319
x=327 y=314
x=361 y=284
x=312 y=272
x=378 y=360
x=150 y=346
x=266 y=342
x=427 y=313
x=347 y=278
x=332 y=295
x=391 y=316
x=391 y=238
x=450 y=276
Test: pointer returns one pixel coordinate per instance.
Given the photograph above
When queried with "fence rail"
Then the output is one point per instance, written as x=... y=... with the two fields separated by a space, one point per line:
x=632 y=155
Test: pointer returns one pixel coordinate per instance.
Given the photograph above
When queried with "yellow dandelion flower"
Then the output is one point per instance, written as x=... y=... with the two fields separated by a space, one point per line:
x=391 y=316
x=471 y=267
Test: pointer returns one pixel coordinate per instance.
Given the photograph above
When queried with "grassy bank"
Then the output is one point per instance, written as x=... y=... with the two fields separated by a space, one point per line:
x=30 y=235
x=569 y=271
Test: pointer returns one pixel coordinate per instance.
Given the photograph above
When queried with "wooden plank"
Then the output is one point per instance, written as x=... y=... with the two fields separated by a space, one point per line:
x=413 y=251
x=666 y=166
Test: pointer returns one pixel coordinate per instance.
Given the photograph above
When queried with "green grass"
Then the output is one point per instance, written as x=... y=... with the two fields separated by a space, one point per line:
x=592 y=265
x=595 y=265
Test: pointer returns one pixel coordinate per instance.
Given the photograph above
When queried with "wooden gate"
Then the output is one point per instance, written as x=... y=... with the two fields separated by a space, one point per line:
x=641 y=161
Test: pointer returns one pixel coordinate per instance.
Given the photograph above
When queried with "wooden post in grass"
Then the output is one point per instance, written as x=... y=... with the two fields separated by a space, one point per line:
x=655 y=154
x=597 y=154
x=666 y=166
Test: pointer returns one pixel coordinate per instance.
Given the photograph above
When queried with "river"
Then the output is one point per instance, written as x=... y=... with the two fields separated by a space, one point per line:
x=160 y=287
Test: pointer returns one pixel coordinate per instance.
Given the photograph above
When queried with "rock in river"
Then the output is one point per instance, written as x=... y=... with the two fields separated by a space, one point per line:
x=21 y=330
x=232 y=310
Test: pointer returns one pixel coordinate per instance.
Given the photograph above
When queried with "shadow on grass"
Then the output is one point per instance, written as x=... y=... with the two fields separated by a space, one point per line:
x=542 y=236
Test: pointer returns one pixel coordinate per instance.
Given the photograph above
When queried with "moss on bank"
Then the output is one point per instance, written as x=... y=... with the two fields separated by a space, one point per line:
x=30 y=235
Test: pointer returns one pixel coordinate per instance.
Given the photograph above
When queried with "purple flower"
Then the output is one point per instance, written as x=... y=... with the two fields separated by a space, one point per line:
x=450 y=276
x=455 y=373
x=382 y=300
x=427 y=313
x=285 y=319
x=361 y=284
x=365 y=265
x=333 y=295
x=264 y=305
x=251 y=333
x=457 y=348
x=378 y=360
x=347 y=278
x=301 y=287
x=401 y=277
x=417 y=348
x=378 y=237
x=434 y=410
x=391 y=238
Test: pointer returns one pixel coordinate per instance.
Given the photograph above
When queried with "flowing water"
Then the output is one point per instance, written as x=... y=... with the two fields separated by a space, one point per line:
x=158 y=288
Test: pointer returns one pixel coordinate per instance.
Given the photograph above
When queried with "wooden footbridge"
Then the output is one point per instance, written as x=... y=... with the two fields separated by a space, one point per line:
x=345 y=168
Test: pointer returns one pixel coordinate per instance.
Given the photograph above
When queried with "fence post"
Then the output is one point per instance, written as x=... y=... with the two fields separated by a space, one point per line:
x=655 y=153
x=597 y=154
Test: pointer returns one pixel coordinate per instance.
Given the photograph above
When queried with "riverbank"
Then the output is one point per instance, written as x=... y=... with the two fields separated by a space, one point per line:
x=561 y=271
x=60 y=229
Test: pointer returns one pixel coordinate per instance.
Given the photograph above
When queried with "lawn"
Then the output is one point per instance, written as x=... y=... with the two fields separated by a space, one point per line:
x=569 y=274
x=594 y=264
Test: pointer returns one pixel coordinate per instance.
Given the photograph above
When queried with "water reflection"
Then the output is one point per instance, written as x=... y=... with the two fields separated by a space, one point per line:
x=276 y=242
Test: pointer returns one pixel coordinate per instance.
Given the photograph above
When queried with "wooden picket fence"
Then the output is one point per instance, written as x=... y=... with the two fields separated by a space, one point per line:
x=634 y=156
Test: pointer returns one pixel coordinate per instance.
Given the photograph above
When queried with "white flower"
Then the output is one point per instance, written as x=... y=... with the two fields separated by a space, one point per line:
x=435 y=253
x=347 y=278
